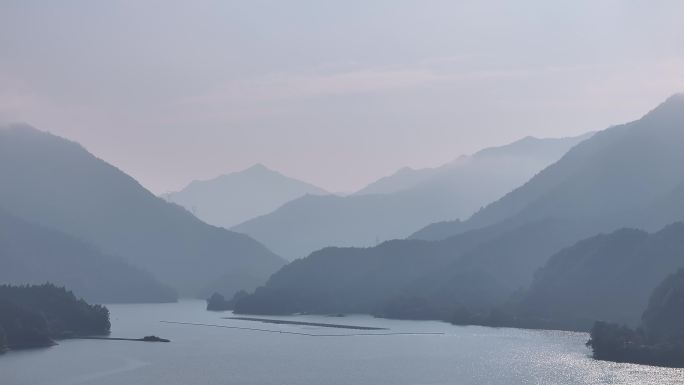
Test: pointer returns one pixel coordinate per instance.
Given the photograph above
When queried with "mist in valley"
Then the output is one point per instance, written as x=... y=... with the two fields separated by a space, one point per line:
x=342 y=192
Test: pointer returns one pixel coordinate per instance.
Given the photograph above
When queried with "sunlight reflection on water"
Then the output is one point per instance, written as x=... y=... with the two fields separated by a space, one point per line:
x=210 y=355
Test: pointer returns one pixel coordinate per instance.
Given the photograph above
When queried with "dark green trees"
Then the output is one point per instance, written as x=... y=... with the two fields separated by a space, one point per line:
x=24 y=328
x=3 y=340
x=218 y=302
x=663 y=320
x=35 y=315
x=660 y=339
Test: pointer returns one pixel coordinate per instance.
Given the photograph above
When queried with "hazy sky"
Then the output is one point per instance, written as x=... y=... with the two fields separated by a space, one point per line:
x=336 y=93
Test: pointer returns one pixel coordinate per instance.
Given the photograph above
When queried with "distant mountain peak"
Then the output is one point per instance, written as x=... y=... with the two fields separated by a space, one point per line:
x=676 y=98
x=529 y=138
x=20 y=128
x=258 y=167
x=622 y=169
x=531 y=146
x=54 y=182
x=672 y=108
x=236 y=197
x=458 y=161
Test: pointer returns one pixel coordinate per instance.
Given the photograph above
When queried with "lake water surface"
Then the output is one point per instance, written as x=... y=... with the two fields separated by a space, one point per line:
x=215 y=355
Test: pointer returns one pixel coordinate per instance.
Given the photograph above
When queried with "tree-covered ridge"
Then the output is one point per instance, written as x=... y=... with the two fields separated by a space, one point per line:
x=625 y=176
x=413 y=279
x=55 y=182
x=381 y=213
x=588 y=281
x=34 y=315
x=664 y=316
x=659 y=340
x=33 y=254
x=218 y=302
x=3 y=339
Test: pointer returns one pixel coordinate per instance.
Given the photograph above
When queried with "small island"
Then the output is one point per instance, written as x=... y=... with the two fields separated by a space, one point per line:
x=217 y=302
x=154 y=339
x=144 y=339
x=660 y=339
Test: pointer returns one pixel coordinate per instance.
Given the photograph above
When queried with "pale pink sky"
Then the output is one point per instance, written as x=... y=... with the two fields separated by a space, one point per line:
x=337 y=93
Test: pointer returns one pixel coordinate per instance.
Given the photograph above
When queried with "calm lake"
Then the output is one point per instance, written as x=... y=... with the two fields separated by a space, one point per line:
x=217 y=355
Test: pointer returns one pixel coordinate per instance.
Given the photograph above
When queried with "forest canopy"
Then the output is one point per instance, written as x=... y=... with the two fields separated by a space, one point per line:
x=35 y=315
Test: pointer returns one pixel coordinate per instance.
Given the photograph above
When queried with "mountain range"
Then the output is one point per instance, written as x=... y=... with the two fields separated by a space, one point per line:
x=56 y=183
x=396 y=206
x=607 y=277
x=231 y=199
x=32 y=254
x=625 y=176
x=555 y=252
x=615 y=178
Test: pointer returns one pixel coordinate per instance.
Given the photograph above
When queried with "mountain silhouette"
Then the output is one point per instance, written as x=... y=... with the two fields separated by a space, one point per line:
x=608 y=277
x=475 y=270
x=605 y=180
x=31 y=254
x=56 y=183
x=403 y=179
x=663 y=319
x=454 y=190
x=617 y=178
x=231 y=199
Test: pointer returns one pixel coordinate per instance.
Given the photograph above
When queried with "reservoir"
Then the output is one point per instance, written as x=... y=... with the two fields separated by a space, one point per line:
x=211 y=348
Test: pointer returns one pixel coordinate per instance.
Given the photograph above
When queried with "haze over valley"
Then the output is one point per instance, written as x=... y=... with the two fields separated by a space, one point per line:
x=357 y=192
x=397 y=205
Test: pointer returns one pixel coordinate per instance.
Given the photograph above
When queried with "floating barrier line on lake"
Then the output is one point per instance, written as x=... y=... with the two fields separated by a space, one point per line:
x=318 y=324
x=299 y=333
